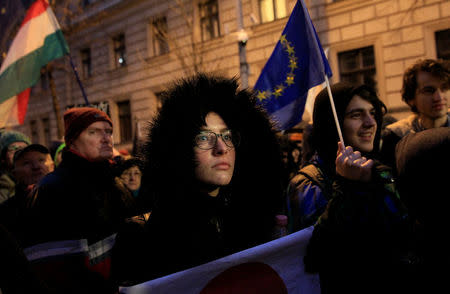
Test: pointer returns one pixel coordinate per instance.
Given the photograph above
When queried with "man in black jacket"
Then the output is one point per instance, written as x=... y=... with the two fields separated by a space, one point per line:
x=78 y=208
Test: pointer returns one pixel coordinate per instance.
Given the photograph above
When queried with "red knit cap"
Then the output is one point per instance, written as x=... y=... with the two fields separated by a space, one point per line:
x=77 y=119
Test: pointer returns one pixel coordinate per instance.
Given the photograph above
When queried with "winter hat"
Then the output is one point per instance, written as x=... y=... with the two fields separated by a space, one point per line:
x=33 y=147
x=9 y=137
x=77 y=119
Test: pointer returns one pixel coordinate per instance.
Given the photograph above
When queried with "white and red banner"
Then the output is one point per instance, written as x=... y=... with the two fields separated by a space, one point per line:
x=38 y=41
x=275 y=267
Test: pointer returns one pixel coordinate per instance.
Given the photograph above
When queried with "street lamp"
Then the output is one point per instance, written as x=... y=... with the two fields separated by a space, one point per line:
x=242 y=37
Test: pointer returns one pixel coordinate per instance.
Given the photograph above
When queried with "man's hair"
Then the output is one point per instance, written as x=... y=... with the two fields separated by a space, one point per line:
x=324 y=133
x=169 y=150
x=437 y=68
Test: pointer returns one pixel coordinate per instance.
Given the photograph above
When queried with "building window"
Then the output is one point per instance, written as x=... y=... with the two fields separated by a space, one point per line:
x=272 y=9
x=209 y=19
x=86 y=62
x=46 y=129
x=443 y=44
x=358 y=66
x=119 y=51
x=34 y=131
x=124 y=110
x=159 y=35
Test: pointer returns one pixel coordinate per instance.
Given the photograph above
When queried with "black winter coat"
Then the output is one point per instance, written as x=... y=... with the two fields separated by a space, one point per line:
x=204 y=229
x=79 y=200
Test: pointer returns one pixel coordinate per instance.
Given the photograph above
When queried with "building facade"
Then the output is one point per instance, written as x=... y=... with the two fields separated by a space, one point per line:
x=128 y=51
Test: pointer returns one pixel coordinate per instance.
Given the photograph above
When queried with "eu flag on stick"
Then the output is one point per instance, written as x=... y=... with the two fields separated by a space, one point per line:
x=297 y=64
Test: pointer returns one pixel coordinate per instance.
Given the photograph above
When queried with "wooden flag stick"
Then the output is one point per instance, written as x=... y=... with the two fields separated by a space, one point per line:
x=78 y=80
x=333 y=108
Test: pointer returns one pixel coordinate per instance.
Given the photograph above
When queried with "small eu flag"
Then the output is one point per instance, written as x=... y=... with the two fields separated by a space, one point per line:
x=297 y=64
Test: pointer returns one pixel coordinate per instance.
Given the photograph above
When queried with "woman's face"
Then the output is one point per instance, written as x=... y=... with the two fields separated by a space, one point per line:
x=360 y=126
x=215 y=166
x=132 y=178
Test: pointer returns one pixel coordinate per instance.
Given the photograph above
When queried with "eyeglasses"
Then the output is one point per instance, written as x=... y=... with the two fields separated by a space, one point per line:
x=208 y=140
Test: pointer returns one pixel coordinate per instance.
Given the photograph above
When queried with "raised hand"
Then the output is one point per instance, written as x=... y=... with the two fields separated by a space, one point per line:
x=352 y=165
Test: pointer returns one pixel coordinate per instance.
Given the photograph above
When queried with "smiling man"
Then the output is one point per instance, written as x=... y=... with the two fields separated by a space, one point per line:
x=426 y=90
x=349 y=197
x=360 y=114
x=214 y=169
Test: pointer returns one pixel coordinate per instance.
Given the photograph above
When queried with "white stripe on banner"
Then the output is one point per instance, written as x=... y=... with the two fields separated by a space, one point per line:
x=56 y=248
x=101 y=247
x=240 y=272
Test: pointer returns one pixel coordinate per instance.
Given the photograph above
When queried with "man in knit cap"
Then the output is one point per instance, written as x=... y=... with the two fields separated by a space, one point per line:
x=10 y=142
x=82 y=202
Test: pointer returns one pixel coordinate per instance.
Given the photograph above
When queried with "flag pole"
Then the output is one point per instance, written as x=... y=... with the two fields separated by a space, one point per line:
x=78 y=80
x=333 y=108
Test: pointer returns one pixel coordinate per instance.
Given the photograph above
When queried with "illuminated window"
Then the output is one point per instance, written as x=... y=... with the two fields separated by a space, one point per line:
x=358 y=66
x=271 y=10
x=119 y=51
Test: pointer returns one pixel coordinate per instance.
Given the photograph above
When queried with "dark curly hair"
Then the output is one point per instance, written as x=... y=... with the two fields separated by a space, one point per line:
x=437 y=68
x=168 y=177
x=324 y=132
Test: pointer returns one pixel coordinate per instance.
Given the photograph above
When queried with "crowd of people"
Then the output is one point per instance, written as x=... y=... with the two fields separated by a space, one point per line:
x=212 y=179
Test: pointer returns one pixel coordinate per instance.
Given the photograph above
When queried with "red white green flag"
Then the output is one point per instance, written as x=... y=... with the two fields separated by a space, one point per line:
x=39 y=41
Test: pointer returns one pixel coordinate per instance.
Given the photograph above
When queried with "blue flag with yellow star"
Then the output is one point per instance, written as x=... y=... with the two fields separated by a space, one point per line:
x=297 y=64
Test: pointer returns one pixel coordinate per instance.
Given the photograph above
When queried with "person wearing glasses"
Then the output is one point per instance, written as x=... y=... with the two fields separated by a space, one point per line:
x=214 y=171
x=426 y=87
x=10 y=142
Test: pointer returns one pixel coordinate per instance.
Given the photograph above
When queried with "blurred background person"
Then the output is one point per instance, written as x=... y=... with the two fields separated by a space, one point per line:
x=10 y=142
x=31 y=165
x=426 y=90
x=57 y=158
x=422 y=159
x=131 y=174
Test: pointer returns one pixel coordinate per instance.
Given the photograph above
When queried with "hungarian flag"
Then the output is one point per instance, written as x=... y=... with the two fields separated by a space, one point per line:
x=38 y=42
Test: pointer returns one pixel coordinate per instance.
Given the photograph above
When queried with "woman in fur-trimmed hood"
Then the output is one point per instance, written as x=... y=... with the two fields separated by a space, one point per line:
x=200 y=212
